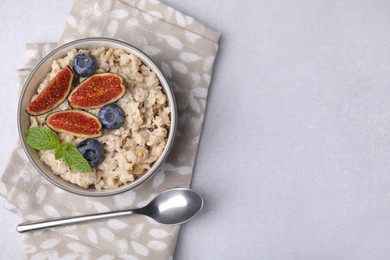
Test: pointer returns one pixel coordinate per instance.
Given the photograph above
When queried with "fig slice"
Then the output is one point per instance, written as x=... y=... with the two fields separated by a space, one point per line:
x=97 y=91
x=75 y=122
x=53 y=94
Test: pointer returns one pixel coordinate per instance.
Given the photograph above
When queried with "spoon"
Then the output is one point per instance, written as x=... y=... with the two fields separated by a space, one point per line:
x=173 y=206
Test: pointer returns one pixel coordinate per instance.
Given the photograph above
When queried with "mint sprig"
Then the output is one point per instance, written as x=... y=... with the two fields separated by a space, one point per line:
x=75 y=159
x=60 y=149
x=42 y=138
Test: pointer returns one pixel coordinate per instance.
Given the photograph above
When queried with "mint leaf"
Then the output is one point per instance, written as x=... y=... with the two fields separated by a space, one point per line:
x=59 y=152
x=75 y=159
x=42 y=138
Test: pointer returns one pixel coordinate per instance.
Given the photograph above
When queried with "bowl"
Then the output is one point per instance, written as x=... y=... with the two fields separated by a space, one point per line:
x=30 y=88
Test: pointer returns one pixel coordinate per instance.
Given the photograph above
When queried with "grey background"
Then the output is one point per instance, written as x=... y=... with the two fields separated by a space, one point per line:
x=294 y=160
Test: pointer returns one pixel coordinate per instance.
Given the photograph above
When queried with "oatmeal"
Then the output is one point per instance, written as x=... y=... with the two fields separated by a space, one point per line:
x=130 y=150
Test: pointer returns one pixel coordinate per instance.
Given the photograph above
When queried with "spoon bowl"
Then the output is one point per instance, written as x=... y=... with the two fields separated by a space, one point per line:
x=173 y=206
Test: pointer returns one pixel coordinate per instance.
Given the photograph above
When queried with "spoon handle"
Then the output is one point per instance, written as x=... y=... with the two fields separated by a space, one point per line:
x=37 y=225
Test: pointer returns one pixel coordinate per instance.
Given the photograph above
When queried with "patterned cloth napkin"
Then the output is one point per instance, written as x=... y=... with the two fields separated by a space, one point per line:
x=185 y=51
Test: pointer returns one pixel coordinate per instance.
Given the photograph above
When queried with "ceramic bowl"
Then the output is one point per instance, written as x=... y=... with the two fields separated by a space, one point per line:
x=37 y=76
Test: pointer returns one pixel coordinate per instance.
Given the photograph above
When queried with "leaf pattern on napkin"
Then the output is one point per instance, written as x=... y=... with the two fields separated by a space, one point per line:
x=185 y=51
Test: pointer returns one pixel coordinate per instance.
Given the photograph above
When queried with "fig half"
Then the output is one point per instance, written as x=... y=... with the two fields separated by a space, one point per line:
x=97 y=91
x=53 y=94
x=75 y=122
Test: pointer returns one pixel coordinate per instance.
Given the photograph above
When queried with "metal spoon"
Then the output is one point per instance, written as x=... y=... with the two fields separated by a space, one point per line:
x=174 y=206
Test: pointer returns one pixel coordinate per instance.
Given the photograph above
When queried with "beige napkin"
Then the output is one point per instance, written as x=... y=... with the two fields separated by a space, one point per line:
x=185 y=50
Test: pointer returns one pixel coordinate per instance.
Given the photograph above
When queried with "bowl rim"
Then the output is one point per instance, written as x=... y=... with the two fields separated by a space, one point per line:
x=155 y=165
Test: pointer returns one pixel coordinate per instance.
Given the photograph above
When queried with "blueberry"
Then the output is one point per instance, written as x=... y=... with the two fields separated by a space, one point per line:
x=84 y=65
x=92 y=151
x=111 y=116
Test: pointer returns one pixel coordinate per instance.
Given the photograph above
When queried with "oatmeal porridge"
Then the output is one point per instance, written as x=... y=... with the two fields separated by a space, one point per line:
x=130 y=150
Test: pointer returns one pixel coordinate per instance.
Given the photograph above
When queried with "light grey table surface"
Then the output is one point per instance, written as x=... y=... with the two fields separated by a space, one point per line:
x=294 y=160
